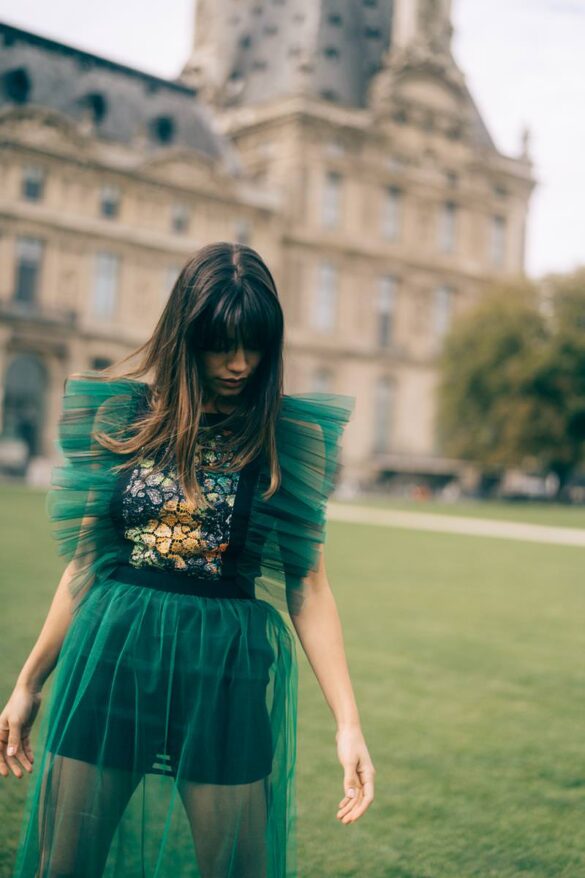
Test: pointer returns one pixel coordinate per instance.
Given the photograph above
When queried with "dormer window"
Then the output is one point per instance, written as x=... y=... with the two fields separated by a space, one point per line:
x=163 y=128
x=16 y=85
x=95 y=105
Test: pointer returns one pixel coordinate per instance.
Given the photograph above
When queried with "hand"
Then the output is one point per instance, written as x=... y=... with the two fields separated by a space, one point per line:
x=358 y=774
x=15 y=724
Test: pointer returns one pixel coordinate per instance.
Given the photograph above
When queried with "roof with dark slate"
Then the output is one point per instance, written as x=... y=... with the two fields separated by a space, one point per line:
x=123 y=102
x=333 y=47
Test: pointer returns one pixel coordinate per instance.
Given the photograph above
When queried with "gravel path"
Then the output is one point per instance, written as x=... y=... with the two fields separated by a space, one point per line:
x=477 y=527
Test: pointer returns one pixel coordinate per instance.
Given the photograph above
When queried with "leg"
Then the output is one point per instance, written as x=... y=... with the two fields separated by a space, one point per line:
x=228 y=824
x=81 y=806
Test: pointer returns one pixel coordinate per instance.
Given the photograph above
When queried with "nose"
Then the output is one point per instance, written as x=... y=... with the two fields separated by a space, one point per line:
x=237 y=360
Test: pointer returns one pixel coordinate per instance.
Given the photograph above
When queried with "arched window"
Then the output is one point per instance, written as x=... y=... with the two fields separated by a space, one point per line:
x=25 y=388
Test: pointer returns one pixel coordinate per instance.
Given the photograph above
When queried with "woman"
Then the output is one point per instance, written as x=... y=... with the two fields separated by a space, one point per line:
x=176 y=666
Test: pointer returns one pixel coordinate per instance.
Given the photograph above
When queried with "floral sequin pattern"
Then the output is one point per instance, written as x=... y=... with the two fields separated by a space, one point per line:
x=166 y=530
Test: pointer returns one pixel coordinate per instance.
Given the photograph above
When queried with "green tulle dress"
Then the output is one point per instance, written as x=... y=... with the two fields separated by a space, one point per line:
x=167 y=746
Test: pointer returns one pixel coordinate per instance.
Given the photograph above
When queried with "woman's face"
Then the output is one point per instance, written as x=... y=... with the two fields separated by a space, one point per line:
x=228 y=372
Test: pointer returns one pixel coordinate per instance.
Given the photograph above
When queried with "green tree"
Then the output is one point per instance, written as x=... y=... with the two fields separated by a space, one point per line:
x=512 y=387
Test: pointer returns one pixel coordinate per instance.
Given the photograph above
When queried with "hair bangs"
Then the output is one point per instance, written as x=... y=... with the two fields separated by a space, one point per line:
x=241 y=314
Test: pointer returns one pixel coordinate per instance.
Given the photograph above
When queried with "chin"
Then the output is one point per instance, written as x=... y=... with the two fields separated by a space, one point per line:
x=229 y=391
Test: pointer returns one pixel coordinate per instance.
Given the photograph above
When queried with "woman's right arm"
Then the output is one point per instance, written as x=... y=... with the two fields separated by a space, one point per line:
x=22 y=707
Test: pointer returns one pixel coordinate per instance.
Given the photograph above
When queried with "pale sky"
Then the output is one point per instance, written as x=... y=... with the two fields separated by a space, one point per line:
x=524 y=61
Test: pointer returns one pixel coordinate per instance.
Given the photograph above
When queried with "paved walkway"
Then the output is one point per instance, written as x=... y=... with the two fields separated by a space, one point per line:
x=456 y=524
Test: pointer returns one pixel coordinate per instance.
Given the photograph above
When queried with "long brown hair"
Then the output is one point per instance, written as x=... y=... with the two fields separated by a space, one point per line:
x=224 y=291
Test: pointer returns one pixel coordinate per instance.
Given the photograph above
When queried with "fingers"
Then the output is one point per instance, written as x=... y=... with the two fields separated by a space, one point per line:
x=353 y=789
x=24 y=753
x=348 y=803
x=351 y=807
x=28 y=749
x=3 y=740
x=366 y=799
x=12 y=752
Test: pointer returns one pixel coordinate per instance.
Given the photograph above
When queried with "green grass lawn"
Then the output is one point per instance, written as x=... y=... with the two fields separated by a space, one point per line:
x=467 y=660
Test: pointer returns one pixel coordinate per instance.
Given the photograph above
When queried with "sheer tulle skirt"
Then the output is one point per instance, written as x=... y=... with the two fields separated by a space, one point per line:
x=167 y=746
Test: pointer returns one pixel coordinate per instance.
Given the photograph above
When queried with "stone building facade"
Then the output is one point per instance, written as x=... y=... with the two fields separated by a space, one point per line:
x=109 y=180
x=337 y=138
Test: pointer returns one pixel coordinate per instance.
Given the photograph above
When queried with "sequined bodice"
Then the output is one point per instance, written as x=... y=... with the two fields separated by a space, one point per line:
x=162 y=530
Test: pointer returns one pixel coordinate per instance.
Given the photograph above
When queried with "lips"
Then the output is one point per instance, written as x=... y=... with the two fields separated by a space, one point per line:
x=232 y=381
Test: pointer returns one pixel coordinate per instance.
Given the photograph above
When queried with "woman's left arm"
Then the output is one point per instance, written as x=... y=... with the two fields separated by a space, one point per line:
x=318 y=626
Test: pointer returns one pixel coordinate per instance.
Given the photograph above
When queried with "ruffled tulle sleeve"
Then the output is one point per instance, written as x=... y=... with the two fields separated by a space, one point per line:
x=82 y=482
x=285 y=532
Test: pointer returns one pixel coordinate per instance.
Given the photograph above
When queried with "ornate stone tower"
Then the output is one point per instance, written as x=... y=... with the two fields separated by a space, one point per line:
x=424 y=22
x=245 y=50
x=398 y=207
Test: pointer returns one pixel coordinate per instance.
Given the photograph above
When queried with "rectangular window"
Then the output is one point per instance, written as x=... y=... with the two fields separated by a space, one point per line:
x=331 y=206
x=386 y=309
x=447 y=226
x=243 y=231
x=391 y=213
x=443 y=306
x=29 y=254
x=180 y=219
x=325 y=301
x=383 y=413
x=170 y=275
x=498 y=240
x=322 y=380
x=33 y=182
x=99 y=363
x=110 y=200
x=105 y=288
